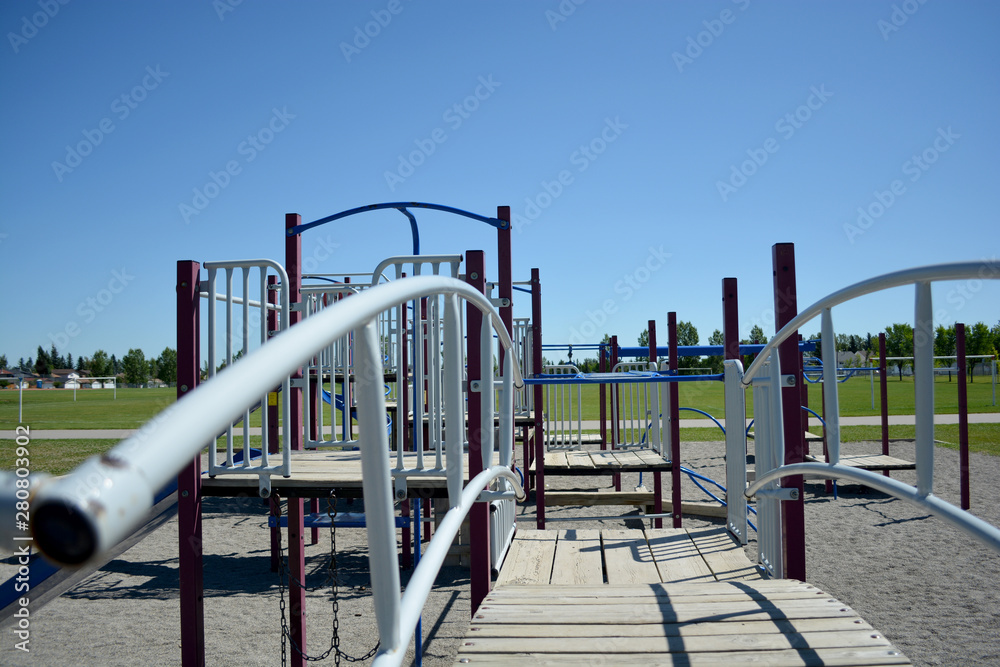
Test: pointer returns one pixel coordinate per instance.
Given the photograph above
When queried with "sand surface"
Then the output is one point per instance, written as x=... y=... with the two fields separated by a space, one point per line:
x=933 y=591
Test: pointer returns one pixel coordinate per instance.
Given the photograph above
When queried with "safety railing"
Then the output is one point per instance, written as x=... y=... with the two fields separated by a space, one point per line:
x=636 y=407
x=238 y=330
x=765 y=372
x=560 y=401
x=736 y=449
x=84 y=514
x=524 y=399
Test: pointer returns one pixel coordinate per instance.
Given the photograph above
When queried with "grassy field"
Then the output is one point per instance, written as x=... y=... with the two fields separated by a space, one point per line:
x=854 y=396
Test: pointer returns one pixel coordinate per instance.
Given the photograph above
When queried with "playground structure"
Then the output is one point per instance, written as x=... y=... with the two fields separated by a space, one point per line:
x=373 y=339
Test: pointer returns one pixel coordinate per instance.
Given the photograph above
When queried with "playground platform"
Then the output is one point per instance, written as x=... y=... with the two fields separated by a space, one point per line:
x=594 y=462
x=659 y=596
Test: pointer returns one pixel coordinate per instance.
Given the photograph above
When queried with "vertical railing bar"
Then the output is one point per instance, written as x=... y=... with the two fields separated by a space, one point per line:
x=455 y=413
x=830 y=384
x=437 y=398
x=286 y=391
x=229 y=357
x=246 y=351
x=486 y=385
x=307 y=395
x=264 y=423
x=923 y=387
x=212 y=454
x=418 y=379
x=507 y=413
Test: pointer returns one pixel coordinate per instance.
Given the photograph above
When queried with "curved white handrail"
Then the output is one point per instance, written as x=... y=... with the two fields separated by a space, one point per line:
x=920 y=274
x=959 y=518
x=87 y=512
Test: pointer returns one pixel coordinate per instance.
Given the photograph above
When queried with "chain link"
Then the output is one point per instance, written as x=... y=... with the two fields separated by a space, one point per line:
x=334 y=582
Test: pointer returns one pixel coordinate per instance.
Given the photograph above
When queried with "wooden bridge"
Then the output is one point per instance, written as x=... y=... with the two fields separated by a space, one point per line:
x=658 y=596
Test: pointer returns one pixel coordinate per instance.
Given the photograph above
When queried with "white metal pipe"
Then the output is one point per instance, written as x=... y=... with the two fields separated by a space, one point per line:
x=736 y=449
x=983 y=270
x=426 y=572
x=923 y=387
x=246 y=350
x=454 y=404
x=969 y=523
x=81 y=515
x=265 y=423
x=376 y=481
x=213 y=462
x=507 y=415
x=831 y=402
x=486 y=391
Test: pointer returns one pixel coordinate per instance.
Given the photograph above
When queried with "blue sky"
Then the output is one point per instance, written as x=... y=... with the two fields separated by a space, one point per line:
x=647 y=150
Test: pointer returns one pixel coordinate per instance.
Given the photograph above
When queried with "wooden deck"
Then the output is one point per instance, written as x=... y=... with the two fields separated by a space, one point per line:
x=316 y=472
x=868 y=462
x=602 y=461
x=658 y=597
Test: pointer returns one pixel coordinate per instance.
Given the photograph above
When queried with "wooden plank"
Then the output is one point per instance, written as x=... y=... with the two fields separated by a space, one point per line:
x=530 y=558
x=604 y=460
x=627 y=558
x=578 y=557
x=598 y=497
x=761 y=588
x=627 y=458
x=787 y=658
x=726 y=558
x=868 y=462
x=847 y=639
x=665 y=612
x=651 y=458
x=677 y=558
x=576 y=460
x=555 y=460
x=574 y=630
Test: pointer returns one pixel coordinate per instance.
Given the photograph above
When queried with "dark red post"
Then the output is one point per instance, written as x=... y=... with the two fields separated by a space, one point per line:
x=675 y=422
x=505 y=273
x=963 y=416
x=536 y=364
x=192 y=593
x=296 y=540
x=730 y=320
x=657 y=475
x=479 y=516
x=617 y=409
x=883 y=388
x=785 y=309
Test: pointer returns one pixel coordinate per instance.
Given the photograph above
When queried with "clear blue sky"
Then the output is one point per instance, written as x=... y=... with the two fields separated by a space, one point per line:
x=644 y=110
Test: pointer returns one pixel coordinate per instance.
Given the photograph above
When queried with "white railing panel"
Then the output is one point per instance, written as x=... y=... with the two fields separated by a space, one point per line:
x=736 y=450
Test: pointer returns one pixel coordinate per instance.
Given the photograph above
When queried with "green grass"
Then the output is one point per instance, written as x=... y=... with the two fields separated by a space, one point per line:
x=983 y=438
x=56 y=457
x=93 y=408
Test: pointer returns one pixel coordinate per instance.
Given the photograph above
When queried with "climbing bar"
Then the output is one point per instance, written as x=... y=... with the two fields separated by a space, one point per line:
x=620 y=378
x=399 y=206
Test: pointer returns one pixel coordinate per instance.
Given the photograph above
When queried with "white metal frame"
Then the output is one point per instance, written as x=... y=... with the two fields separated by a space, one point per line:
x=264 y=469
x=108 y=496
x=765 y=372
x=559 y=414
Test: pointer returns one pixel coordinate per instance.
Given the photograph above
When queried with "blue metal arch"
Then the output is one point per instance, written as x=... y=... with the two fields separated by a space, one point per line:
x=402 y=207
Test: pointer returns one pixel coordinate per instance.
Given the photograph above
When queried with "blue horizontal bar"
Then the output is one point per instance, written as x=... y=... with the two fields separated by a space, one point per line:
x=620 y=378
x=705 y=350
x=400 y=206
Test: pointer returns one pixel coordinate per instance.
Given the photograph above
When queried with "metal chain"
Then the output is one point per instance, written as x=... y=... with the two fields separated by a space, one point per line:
x=333 y=581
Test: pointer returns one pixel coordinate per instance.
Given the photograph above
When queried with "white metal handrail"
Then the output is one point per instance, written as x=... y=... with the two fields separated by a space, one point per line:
x=923 y=340
x=81 y=515
x=559 y=400
x=639 y=416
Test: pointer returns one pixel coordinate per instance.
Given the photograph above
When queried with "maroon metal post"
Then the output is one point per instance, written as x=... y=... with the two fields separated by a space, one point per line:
x=675 y=422
x=883 y=388
x=616 y=410
x=296 y=518
x=536 y=364
x=657 y=475
x=192 y=592
x=505 y=274
x=273 y=416
x=730 y=319
x=789 y=358
x=479 y=516
x=963 y=416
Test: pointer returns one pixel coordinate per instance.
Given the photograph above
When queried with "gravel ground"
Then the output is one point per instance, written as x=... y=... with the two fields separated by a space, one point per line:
x=933 y=591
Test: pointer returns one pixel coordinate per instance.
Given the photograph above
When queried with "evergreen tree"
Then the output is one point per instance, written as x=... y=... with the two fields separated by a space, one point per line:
x=43 y=365
x=3 y=361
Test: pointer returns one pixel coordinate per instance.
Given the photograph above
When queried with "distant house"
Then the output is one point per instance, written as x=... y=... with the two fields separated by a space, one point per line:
x=11 y=377
x=70 y=378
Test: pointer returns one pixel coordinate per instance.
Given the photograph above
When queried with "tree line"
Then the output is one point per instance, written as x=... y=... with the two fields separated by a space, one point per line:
x=134 y=366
